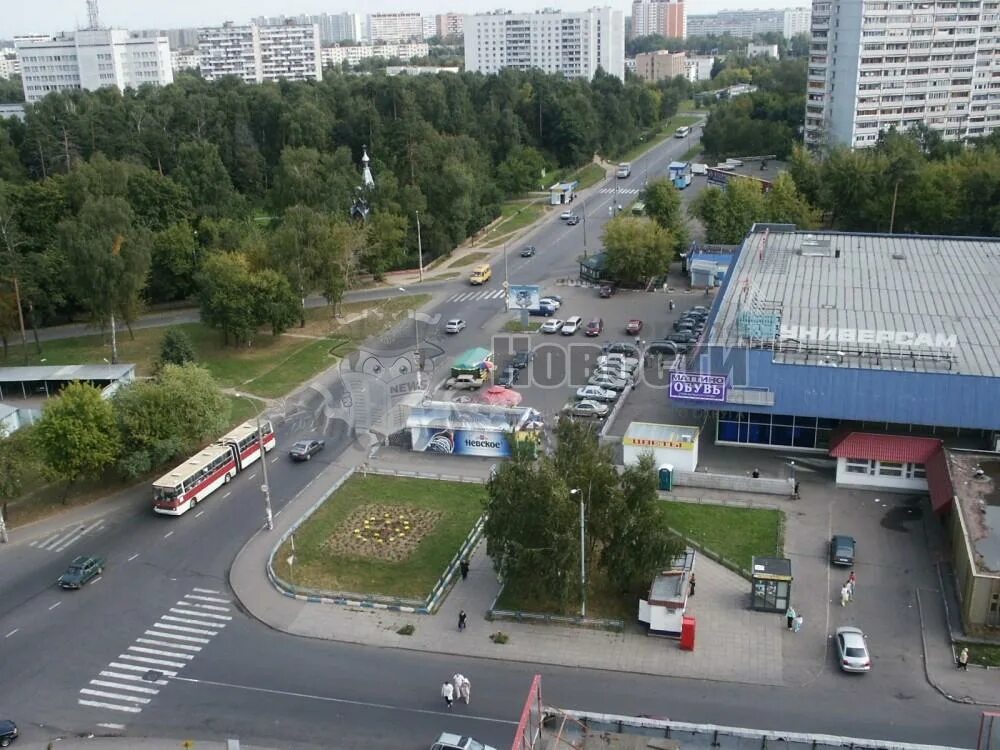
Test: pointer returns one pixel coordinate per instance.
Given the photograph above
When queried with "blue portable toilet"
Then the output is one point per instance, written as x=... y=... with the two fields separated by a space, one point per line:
x=666 y=477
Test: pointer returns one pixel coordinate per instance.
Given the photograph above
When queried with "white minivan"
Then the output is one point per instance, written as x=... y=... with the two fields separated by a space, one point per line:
x=682 y=132
x=571 y=326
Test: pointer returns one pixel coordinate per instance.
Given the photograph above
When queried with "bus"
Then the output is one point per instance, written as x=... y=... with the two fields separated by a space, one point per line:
x=682 y=132
x=187 y=485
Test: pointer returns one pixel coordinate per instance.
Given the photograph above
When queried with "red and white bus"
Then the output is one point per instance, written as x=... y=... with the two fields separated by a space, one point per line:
x=198 y=477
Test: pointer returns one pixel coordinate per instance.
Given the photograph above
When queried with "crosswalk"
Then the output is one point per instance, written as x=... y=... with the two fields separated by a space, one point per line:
x=470 y=296
x=63 y=538
x=131 y=681
x=620 y=191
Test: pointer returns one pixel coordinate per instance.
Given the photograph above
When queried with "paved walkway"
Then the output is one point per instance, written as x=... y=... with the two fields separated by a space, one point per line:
x=129 y=743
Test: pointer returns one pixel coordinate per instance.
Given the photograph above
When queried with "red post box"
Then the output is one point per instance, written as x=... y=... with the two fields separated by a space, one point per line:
x=688 y=624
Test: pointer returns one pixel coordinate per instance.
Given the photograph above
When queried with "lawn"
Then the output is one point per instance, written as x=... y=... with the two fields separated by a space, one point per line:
x=587 y=176
x=736 y=534
x=456 y=504
x=981 y=653
x=515 y=215
x=692 y=152
x=468 y=260
x=603 y=602
x=516 y=326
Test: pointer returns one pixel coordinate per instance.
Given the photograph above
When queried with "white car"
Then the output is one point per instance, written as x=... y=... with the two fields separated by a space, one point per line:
x=852 y=650
x=551 y=302
x=572 y=325
x=450 y=741
x=627 y=363
x=613 y=372
x=596 y=393
x=455 y=325
x=588 y=409
x=567 y=214
x=552 y=325
x=606 y=381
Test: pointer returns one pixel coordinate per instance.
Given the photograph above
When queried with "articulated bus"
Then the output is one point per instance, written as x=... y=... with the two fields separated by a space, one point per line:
x=198 y=477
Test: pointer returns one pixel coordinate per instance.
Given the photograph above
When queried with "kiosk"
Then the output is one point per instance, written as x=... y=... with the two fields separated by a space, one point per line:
x=771 y=579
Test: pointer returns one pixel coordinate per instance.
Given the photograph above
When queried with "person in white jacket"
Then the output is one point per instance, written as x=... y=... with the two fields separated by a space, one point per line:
x=448 y=693
x=463 y=688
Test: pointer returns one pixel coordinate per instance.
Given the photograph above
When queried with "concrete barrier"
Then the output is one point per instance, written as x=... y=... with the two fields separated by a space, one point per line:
x=734 y=483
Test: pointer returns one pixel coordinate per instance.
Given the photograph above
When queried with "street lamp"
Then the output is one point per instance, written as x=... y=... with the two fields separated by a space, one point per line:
x=506 y=281
x=265 y=487
x=583 y=553
x=420 y=248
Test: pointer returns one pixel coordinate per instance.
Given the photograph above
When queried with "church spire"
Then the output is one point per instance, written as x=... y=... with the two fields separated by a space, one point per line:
x=361 y=208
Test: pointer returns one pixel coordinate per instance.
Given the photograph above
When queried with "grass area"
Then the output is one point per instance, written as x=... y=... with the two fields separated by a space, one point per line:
x=981 y=653
x=515 y=215
x=587 y=176
x=316 y=566
x=687 y=105
x=516 y=326
x=692 y=152
x=468 y=260
x=736 y=534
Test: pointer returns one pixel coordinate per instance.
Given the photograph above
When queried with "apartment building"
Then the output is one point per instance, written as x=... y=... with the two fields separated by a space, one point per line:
x=333 y=27
x=260 y=53
x=699 y=68
x=744 y=24
x=91 y=59
x=395 y=28
x=664 y=17
x=353 y=54
x=10 y=64
x=184 y=59
x=796 y=21
x=450 y=24
x=879 y=64
x=659 y=65
x=574 y=44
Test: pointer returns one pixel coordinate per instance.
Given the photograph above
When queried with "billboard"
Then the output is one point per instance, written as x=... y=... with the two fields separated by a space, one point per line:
x=691 y=386
x=461 y=442
x=523 y=296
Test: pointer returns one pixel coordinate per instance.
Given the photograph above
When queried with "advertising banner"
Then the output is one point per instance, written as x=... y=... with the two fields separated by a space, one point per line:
x=691 y=386
x=523 y=296
x=461 y=442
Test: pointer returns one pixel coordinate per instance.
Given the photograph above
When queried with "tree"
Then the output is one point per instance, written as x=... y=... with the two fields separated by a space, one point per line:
x=637 y=249
x=11 y=259
x=785 y=205
x=173 y=262
x=20 y=461
x=175 y=348
x=274 y=301
x=203 y=175
x=663 y=205
x=728 y=214
x=224 y=293
x=77 y=435
x=297 y=249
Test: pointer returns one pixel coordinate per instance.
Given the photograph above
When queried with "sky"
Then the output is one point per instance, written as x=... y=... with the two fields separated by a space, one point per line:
x=51 y=16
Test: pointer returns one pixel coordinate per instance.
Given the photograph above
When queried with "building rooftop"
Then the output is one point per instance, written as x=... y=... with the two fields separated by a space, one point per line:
x=874 y=301
x=976 y=484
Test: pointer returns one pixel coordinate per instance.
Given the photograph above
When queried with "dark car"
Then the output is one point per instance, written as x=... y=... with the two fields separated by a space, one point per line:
x=528 y=251
x=303 y=450
x=520 y=360
x=594 y=327
x=8 y=732
x=842 y=549
x=508 y=377
x=81 y=570
x=665 y=348
x=681 y=337
x=684 y=325
x=620 y=347
x=573 y=220
x=607 y=290
x=633 y=326
x=543 y=310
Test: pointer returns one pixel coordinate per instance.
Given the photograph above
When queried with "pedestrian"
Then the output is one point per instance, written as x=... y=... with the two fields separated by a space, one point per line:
x=790 y=616
x=852 y=579
x=850 y=587
x=691 y=586
x=795 y=491
x=464 y=567
x=798 y=623
x=756 y=473
x=448 y=693
x=963 y=660
x=845 y=595
x=463 y=688
x=461 y=619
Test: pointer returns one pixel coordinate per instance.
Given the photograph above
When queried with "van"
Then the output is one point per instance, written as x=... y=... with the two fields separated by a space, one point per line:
x=480 y=274
x=624 y=170
x=682 y=132
x=571 y=326
x=699 y=169
x=594 y=327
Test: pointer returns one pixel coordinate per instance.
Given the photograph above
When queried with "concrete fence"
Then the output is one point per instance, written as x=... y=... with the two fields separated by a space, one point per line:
x=734 y=483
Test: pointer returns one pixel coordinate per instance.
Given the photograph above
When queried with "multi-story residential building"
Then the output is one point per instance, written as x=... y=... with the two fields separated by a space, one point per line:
x=450 y=24
x=664 y=17
x=744 y=24
x=10 y=64
x=763 y=50
x=182 y=38
x=184 y=59
x=395 y=28
x=353 y=54
x=91 y=59
x=333 y=27
x=574 y=44
x=260 y=53
x=659 y=65
x=698 y=68
x=895 y=64
x=429 y=24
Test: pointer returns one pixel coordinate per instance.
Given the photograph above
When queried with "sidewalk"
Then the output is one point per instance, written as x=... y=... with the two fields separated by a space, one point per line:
x=130 y=743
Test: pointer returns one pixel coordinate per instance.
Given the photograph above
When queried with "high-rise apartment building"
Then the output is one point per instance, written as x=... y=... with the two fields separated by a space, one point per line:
x=91 y=59
x=353 y=54
x=664 y=17
x=10 y=64
x=660 y=65
x=796 y=21
x=894 y=63
x=395 y=27
x=450 y=24
x=333 y=27
x=574 y=44
x=744 y=24
x=260 y=53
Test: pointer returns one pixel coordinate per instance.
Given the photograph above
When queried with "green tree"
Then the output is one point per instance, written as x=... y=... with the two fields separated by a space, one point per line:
x=298 y=248
x=77 y=435
x=175 y=348
x=274 y=301
x=12 y=262
x=202 y=174
x=663 y=205
x=173 y=263
x=728 y=214
x=225 y=297
x=385 y=245
x=784 y=204
x=637 y=249
x=20 y=463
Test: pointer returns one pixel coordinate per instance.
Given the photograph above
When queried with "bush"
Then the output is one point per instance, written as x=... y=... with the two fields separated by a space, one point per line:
x=407 y=629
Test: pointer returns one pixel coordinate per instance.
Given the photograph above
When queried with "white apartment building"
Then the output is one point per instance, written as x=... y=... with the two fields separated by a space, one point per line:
x=257 y=54
x=874 y=65
x=667 y=18
x=698 y=68
x=796 y=21
x=10 y=64
x=333 y=27
x=395 y=28
x=183 y=59
x=355 y=53
x=575 y=44
x=744 y=24
x=91 y=59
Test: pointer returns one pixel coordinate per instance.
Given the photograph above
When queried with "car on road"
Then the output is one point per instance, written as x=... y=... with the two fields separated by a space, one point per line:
x=588 y=409
x=596 y=393
x=571 y=326
x=465 y=381
x=567 y=214
x=633 y=326
x=551 y=301
x=842 y=548
x=455 y=325
x=852 y=650
x=551 y=326
x=594 y=327
x=607 y=381
x=543 y=310
x=573 y=220
x=508 y=377
x=606 y=290
x=303 y=450
x=80 y=571
x=449 y=741
x=8 y=732
x=520 y=360
x=527 y=252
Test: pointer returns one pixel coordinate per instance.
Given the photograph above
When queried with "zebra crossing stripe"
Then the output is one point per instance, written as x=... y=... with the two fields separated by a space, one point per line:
x=189 y=621
x=139 y=668
x=207 y=599
x=120 y=686
x=117 y=696
x=152 y=642
x=176 y=636
x=212 y=607
x=130 y=677
x=199 y=614
x=206 y=591
x=185 y=629
x=147 y=660
x=111 y=706
x=156 y=652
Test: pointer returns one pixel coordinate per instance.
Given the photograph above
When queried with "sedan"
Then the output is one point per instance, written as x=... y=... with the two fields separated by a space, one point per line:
x=633 y=326
x=573 y=220
x=613 y=372
x=618 y=360
x=551 y=326
x=596 y=393
x=621 y=347
x=842 y=549
x=304 y=450
x=567 y=214
x=607 y=381
x=588 y=409
x=852 y=650
x=551 y=301
x=81 y=570
x=508 y=377
x=8 y=732
x=528 y=251
x=455 y=325
x=606 y=290
x=520 y=360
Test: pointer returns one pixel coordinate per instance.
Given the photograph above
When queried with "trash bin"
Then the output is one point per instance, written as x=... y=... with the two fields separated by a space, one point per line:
x=688 y=625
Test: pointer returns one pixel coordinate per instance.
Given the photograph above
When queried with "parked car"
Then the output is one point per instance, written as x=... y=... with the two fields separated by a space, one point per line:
x=551 y=301
x=588 y=409
x=465 y=382
x=594 y=327
x=607 y=381
x=455 y=325
x=614 y=373
x=681 y=337
x=633 y=326
x=684 y=324
x=573 y=220
x=572 y=325
x=527 y=252
x=665 y=348
x=622 y=347
x=508 y=377
x=852 y=650
x=842 y=548
x=595 y=393
x=8 y=732
x=303 y=450
x=543 y=310
x=449 y=741
x=80 y=571
x=520 y=360
x=607 y=290
x=629 y=363
x=551 y=326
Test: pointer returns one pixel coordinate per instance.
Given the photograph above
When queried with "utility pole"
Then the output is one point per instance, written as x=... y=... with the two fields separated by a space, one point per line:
x=584 y=227
x=420 y=248
x=265 y=488
x=3 y=528
x=583 y=551
x=506 y=281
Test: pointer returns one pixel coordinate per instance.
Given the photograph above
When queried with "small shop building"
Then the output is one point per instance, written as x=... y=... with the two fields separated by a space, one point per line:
x=675 y=446
x=562 y=193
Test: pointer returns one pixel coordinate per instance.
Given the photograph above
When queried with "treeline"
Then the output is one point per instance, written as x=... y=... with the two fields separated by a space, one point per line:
x=109 y=201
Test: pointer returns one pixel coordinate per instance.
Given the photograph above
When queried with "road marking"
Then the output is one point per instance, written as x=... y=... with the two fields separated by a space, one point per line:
x=133 y=557
x=56 y=542
x=45 y=542
x=138 y=668
x=83 y=530
x=119 y=686
x=108 y=725
x=151 y=642
x=199 y=514
x=227 y=494
x=342 y=701
x=54 y=606
x=147 y=660
x=167 y=534
x=189 y=621
x=132 y=677
x=102 y=694
x=176 y=636
x=185 y=629
x=112 y=706
x=96 y=580
x=11 y=632
x=202 y=606
x=200 y=614
x=207 y=599
x=156 y=652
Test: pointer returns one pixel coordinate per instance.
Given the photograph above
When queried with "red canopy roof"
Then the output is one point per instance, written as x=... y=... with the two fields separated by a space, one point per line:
x=899 y=449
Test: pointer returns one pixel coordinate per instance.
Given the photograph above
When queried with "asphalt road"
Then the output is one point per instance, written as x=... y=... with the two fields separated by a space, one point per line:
x=273 y=689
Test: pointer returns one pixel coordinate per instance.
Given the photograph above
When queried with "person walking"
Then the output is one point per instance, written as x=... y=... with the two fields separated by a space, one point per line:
x=464 y=568
x=790 y=616
x=448 y=693
x=463 y=687
x=797 y=624
x=691 y=586
x=845 y=594
x=461 y=619
x=756 y=473
x=795 y=491
x=963 y=660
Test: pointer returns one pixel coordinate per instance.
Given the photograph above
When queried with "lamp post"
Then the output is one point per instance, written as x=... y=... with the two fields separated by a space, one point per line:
x=583 y=552
x=420 y=248
x=506 y=281
x=584 y=227
x=265 y=487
